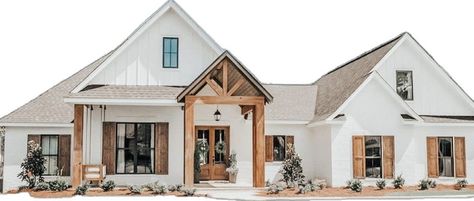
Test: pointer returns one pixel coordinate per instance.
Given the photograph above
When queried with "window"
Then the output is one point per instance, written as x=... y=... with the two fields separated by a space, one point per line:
x=50 y=149
x=405 y=84
x=373 y=157
x=170 y=52
x=445 y=157
x=276 y=147
x=135 y=148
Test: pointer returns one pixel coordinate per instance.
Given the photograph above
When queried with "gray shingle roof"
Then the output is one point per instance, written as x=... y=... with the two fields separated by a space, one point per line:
x=291 y=102
x=49 y=107
x=337 y=86
x=129 y=92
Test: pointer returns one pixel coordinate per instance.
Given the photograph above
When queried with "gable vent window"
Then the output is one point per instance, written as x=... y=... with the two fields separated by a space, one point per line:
x=405 y=84
x=170 y=52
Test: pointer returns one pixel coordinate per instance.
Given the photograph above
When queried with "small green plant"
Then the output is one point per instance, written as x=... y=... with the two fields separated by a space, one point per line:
x=58 y=185
x=267 y=183
x=150 y=186
x=307 y=187
x=424 y=184
x=398 y=182
x=173 y=188
x=32 y=167
x=43 y=186
x=461 y=183
x=275 y=188
x=432 y=183
x=135 y=189
x=356 y=185
x=188 y=191
x=81 y=190
x=108 y=186
x=160 y=189
x=381 y=184
x=292 y=170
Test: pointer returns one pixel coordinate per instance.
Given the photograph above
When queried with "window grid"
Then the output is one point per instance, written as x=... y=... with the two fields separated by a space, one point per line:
x=170 y=52
x=49 y=155
x=136 y=151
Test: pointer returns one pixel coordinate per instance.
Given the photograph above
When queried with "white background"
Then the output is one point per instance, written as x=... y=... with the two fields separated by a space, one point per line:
x=293 y=41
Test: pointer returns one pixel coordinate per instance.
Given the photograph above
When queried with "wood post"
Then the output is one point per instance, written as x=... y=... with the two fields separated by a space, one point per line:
x=77 y=149
x=258 y=137
x=188 y=142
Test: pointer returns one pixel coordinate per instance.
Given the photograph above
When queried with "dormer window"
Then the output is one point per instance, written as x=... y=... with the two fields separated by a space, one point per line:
x=405 y=84
x=170 y=52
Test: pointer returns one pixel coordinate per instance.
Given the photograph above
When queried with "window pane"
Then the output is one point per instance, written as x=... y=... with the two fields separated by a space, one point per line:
x=167 y=59
x=174 y=60
x=372 y=146
x=445 y=155
x=144 y=161
x=152 y=134
x=130 y=141
x=45 y=145
x=279 y=148
x=373 y=168
x=373 y=152
x=120 y=135
x=129 y=162
x=120 y=161
x=167 y=45
x=174 y=45
x=143 y=135
x=203 y=136
x=219 y=139
x=405 y=84
x=53 y=145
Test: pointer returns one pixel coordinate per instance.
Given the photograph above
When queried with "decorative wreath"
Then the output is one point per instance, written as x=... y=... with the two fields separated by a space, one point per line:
x=220 y=147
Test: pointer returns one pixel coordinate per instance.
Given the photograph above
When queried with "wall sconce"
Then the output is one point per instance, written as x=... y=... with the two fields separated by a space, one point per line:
x=217 y=115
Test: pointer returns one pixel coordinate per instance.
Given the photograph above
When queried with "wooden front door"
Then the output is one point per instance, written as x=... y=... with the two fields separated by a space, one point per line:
x=213 y=162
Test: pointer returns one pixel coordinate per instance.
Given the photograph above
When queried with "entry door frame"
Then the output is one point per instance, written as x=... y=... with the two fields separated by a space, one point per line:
x=214 y=171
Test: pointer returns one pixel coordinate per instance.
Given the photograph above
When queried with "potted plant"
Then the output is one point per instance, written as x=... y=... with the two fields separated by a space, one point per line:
x=232 y=169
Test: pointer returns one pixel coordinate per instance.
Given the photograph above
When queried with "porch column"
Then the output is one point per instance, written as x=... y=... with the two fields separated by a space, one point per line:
x=258 y=136
x=77 y=147
x=189 y=142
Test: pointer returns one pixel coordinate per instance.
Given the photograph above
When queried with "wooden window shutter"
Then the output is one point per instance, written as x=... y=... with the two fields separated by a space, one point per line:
x=108 y=146
x=161 y=148
x=460 y=156
x=432 y=156
x=64 y=161
x=289 y=140
x=268 y=148
x=388 y=156
x=358 y=157
x=35 y=138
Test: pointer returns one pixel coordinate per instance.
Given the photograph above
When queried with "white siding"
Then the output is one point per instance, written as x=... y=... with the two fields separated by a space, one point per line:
x=141 y=62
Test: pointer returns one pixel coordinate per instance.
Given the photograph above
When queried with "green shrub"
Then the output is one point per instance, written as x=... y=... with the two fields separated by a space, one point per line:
x=42 y=186
x=32 y=167
x=173 y=188
x=398 y=182
x=81 y=190
x=188 y=191
x=432 y=183
x=356 y=185
x=160 y=189
x=275 y=188
x=57 y=185
x=292 y=170
x=461 y=183
x=150 y=186
x=424 y=184
x=267 y=183
x=135 y=189
x=108 y=186
x=381 y=183
x=307 y=187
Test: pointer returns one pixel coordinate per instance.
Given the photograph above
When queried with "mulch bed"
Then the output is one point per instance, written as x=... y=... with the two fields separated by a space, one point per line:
x=366 y=191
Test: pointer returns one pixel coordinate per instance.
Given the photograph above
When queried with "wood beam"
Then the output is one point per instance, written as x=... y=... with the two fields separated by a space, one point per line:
x=213 y=84
x=235 y=87
x=77 y=147
x=189 y=142
x=258 y=142
x=245 y=109
x=235 y=100
x=225 y=77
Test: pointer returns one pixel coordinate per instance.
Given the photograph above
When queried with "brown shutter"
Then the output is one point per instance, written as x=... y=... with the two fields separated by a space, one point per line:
x=290 y=140
x=432 y=156
x=358 y=157
x=64 y=162
x=268 y=148
x=161 y=148
x=108 y=146
x=35 y=138
x=460 y=156
x=388 y=156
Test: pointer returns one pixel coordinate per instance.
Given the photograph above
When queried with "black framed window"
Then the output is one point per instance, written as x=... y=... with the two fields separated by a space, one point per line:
x=405 y=84
x=135 y=148
x=445 y=157
x=373 y=156
x=279 y=143
x=170 y=52
x=50 y=149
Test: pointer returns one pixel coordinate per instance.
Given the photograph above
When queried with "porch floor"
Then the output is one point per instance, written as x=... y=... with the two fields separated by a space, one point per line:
x=222 y=184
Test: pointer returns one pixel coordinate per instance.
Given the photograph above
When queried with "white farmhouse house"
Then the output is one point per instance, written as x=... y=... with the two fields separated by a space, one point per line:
x=138 y=111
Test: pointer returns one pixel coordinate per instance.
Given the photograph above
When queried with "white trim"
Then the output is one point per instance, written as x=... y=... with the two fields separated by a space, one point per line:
x=439 y=124
x=57 y=125
x=286 y=122
x=325 y=122
x=142 y=28
x=138 y=102
x=389 y=53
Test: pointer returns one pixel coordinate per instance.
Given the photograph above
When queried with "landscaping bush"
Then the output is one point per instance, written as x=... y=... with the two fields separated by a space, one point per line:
x=135 y=189
x=32 y=167
x=292 y=171
x=432 y=183
x=81 y=190
x=461 y=183
x=57 y=185
x=41 y=186
x=188 y=191
x=398 y=182
x=424 y=184
x=108 y=186
x=275 y=188
x=173 y=188
x=381 y=183
x=307 y=187
x=160 y=189
x=356 y=185
x=267 y=183
x=151 y=186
